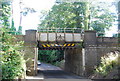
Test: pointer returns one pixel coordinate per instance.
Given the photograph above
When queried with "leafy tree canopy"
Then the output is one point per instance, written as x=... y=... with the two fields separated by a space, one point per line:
x=101 y=17
x=84 y=15
x=66 y=15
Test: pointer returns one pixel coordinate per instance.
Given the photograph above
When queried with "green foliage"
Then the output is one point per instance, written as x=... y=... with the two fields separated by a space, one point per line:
x=5 y=19
x=5 y=14
x=12 y=60
x=27 y=10
x=115 y=35
x=12 y=28
x=84 y=15
x=19 y=32
x=101 y=17
x=59 y=63
x=108 y=62
x=66 y=15
x=50 y=56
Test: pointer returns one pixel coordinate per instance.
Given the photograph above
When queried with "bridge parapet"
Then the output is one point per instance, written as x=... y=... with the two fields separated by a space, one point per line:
x=107 y=41
x=60 y=37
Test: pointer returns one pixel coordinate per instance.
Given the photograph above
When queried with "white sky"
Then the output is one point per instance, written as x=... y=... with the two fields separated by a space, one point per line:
x=31 y=21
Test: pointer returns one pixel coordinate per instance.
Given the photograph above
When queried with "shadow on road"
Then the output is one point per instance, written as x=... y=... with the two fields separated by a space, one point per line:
x=58 y=74
x=53 y=72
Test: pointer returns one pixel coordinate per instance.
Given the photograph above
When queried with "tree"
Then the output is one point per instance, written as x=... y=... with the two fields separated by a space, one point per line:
x=84 y=15
x=67 y=15
x=23 y=12
x=50 y=56
x=6 y=14
x=12 y=60
x=19 y=32
x=115 y=35
x=13 y=29
x=5 y=11
x=101 y=17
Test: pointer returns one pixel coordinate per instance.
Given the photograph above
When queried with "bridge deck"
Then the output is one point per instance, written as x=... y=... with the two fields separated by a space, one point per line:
x=60 y=37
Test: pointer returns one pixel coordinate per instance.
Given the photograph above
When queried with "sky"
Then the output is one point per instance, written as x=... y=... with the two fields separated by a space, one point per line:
x=32 y=20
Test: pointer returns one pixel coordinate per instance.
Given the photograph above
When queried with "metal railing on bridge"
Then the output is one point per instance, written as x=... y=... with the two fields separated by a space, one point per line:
x=61 y=30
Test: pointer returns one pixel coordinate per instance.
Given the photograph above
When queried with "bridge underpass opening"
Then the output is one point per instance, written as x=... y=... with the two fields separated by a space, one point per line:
x=67 y=56
x=53 y=53
x=56 y=56
x=50 y=59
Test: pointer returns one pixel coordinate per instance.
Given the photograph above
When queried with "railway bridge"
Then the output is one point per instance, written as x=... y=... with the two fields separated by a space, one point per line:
x=59 y=39
x=82 y=51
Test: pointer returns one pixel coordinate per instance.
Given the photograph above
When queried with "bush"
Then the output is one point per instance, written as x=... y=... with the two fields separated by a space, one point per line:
x=60 y=64
x=50 y=56
x=108 y=63
x=12 y=59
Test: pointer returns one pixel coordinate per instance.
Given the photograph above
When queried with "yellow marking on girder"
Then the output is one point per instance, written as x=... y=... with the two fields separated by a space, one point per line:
x=65 y=44
x=60 y=45
x=68 y=44
x=43 y=45
x=52 y=44
x=48 y=45
x=73 y=45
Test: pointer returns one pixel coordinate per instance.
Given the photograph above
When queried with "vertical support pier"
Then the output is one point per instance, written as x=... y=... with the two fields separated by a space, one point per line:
x=31 y=52
x=73 y=61
x=90 y=44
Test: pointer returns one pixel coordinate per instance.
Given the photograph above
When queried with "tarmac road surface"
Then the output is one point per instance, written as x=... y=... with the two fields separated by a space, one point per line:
x=54 y=72
x=48 y=72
